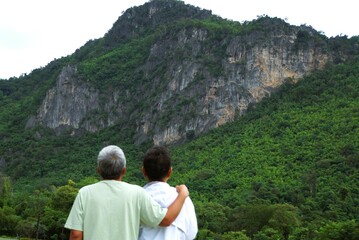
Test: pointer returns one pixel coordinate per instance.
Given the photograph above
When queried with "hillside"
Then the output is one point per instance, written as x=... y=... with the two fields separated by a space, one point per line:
x=178 y=72
x=292 y=158
x=261 y=119
x=298 y=147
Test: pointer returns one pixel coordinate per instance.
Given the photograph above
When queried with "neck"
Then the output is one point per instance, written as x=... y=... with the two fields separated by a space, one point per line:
x=115 y=179
x=162 y=180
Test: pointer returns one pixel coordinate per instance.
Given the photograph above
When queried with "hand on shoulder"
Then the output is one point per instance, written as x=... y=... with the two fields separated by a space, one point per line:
x=182 y=190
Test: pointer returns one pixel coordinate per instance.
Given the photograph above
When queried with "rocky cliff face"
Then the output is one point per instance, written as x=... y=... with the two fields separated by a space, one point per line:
x=248 y=72
x=206 y=83
x=72 y=106
x=67 y=103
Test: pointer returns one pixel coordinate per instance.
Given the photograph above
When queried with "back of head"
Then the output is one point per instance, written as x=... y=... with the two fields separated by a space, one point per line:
x=110 y=162
x=157 y=163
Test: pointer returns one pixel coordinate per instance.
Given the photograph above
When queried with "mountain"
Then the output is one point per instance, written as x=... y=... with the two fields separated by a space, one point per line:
x=261 y=118
x=175 y=71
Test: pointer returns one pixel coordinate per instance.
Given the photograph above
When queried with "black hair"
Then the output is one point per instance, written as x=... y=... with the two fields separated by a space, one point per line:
x=157 y=163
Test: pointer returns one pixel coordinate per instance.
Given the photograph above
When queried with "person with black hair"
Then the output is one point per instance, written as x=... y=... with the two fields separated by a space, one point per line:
x=157 y=169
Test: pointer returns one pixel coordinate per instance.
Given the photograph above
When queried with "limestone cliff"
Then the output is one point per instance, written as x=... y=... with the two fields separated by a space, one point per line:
x=204 y=81
x=249 y=72
x=66 y=104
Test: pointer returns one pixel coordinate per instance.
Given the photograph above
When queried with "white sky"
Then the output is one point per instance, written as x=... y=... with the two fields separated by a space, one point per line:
x=33 y=33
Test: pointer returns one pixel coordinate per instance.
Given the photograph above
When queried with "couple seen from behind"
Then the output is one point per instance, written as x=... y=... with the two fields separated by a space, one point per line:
x=114 y=209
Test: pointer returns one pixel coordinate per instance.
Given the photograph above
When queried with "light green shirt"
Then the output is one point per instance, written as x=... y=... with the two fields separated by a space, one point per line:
x=112 y=209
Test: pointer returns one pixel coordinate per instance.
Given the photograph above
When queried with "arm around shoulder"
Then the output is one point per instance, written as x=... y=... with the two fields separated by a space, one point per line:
x=175 y=208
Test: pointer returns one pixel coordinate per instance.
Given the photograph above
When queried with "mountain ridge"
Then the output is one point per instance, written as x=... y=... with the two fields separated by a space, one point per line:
x=208 y=69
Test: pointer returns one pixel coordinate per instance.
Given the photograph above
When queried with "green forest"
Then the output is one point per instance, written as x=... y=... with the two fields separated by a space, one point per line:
x=288 y=169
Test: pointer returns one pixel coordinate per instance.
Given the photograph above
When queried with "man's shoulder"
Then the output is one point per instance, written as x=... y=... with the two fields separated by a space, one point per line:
x=111 y=184
x=132 y=187
x=160 y=188
x=159 y=185
x=89 y=187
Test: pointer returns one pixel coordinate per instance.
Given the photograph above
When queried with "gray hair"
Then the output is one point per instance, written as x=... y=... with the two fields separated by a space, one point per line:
x=110 y=162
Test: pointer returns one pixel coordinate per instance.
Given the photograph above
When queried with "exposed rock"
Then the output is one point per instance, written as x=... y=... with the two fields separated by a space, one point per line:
x=68 y=103
x=205 y=83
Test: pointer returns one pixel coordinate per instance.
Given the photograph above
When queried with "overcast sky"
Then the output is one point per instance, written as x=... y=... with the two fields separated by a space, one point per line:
x=35 y=32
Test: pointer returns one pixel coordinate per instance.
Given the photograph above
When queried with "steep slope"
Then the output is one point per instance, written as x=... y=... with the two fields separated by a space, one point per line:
x=299 y=147
x=175 y=71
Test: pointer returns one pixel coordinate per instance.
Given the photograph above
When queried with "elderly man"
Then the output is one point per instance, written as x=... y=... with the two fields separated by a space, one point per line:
x=113 y=209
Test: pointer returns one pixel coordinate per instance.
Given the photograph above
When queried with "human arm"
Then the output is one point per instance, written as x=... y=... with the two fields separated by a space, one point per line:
x=76 y=235
x=74 y=221
x=175 y=208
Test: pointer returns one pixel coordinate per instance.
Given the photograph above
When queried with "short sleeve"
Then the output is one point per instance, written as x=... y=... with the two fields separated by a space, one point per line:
x=152 y=213
x=75 y=219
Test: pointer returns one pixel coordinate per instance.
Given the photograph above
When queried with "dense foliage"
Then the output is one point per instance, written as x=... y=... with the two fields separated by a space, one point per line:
x=298 y=147
x=288 y=169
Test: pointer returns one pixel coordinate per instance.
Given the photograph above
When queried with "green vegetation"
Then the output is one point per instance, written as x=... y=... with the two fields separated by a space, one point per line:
x=288 y=169
x=120 y=64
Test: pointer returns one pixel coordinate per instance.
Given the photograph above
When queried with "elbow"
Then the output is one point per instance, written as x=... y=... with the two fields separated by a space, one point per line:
x=166 y=222
x=76 y=235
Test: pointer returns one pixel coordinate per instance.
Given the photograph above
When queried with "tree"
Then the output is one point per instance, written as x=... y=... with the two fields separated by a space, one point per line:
x=212 y=216
x=57 y=211
x=268 y=233
x=38 y=202
x=64 y=197
x=234 y=236
x=284 y=219
x=205 y=234
x=251 y=218
x=348 y=230
x=5 y=193
x=8 y=220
